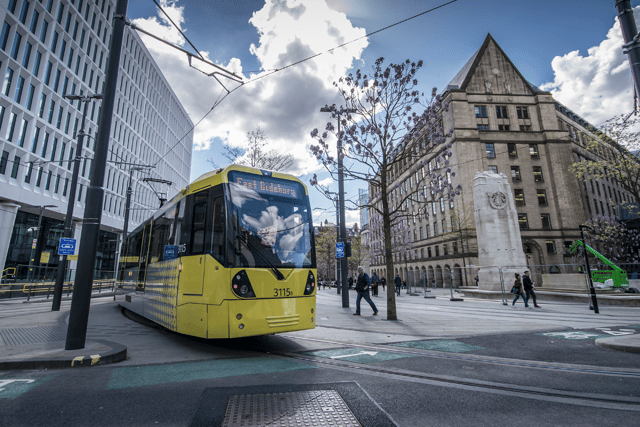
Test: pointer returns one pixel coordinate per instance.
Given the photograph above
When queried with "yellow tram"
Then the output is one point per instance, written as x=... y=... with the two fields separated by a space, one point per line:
x=232 y=255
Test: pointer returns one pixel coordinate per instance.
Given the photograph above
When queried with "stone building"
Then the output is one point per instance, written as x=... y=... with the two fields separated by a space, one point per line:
x=53 y=48
x=503 y=123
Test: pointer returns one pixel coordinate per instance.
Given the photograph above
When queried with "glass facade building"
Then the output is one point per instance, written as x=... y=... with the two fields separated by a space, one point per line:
x=53 y=48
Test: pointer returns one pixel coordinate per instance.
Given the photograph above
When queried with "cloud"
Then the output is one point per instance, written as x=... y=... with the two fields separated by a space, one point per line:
x=597 y=86
x=284 y=104
x=326 y=182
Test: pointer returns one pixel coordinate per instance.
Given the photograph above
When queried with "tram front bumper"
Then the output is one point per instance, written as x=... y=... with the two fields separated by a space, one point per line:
x=271 y=316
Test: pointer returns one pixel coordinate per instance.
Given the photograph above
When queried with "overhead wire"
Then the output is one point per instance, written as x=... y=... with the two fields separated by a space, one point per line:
x=287 y=66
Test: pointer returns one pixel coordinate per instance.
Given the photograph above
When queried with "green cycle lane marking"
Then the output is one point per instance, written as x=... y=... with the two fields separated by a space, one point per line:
x=136 y=376
x=10 y=388
x=451 y=346
x=357 y=355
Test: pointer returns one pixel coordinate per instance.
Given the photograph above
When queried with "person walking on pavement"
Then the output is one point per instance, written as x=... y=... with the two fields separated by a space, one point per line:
x=517 y=289
x=362 y=287
x=374 y=284
x=528 y=288
x=383 y=281
x=398 y=282
x=350 y=282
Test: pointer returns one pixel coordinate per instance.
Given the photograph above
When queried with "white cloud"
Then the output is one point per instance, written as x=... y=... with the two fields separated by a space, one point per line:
x=285 y=104
x=326 y=182
x=597 y=86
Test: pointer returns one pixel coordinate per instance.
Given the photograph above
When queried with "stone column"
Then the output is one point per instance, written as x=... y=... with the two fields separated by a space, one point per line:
x=498 y=231
x=8 y=213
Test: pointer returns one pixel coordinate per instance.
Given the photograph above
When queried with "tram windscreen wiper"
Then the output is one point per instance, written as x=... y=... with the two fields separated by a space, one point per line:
x=256 y=250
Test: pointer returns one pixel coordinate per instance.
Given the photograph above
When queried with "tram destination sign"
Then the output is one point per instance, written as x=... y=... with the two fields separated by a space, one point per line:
x=267 y=185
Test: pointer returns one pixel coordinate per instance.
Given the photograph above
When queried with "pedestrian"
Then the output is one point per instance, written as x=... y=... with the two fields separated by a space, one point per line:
x=528 y=288
x=517 y=289
x=383 y=281
x=362 y=287
x=398 y=282
x=374 y=284
x=350 y=282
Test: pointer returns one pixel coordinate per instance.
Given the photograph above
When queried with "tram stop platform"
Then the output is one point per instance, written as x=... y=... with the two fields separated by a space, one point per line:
x=33 y=337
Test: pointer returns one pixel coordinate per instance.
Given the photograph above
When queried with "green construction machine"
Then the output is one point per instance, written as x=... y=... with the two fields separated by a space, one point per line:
x=618 y=275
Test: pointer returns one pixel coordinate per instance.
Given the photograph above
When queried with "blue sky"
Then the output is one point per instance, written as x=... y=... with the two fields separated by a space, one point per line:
x=571 y=48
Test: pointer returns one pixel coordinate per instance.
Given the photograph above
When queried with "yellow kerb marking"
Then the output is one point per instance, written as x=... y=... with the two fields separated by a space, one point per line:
x=95 y=358
x=77 y=359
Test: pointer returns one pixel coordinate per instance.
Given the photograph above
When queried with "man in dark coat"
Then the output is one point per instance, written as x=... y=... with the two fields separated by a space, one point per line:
x=398 y=282
x=528 y=288
x=362 y=287
x=350 y=282
x=374 y=284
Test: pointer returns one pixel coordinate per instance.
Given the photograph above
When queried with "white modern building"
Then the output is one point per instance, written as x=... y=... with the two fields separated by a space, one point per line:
x=53 y=48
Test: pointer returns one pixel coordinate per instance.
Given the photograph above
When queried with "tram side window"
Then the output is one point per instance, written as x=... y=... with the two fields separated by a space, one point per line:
x=218 y=230
x=160 y=235
x=198 y=226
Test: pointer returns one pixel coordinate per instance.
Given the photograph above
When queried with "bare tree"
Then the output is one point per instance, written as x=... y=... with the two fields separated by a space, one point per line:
x=256 y=155
x=326 y=251
x=383 y=142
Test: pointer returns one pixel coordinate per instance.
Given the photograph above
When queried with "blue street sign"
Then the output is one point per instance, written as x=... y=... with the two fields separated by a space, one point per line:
x=340 y=250
x=67 y=246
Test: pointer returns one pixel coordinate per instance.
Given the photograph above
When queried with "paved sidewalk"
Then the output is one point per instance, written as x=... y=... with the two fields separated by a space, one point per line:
x=33 y=337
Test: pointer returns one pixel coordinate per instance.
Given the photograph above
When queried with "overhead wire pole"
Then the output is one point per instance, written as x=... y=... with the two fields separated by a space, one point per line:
x=631 y=45
x=79 y=313
x=68 y=232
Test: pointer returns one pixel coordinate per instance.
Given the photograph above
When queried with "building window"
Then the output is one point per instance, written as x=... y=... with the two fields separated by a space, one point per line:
x=519 y=197
x=445 y=249
x=533 y=150
x=542 y=197
x=522 y=221
x=491 y=150
x=513 y=151
x=483 y=127
x=537 y=174
x=551 y=247
x=504 y=127
x=27 y=176
x=444 y=226
x=481 y=111
x=3 y=161
x=435 y=229
x=515 y=173
x=493 y=169
x=455 y=247
x=437 y=250
x=17 y=40
x=429 y=251
x=546 y=221
x=525 y=128
x=16 y=165
x=6 y=86
x=523 y=112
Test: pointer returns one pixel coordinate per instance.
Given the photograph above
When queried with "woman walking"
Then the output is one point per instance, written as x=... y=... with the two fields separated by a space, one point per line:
x=519 y=291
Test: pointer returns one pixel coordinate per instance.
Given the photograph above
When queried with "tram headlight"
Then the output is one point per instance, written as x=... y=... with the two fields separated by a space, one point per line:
x=241 y=285
x=311 y=284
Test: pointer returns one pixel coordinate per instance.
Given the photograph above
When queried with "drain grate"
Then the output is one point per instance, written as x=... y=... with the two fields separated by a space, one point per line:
x=308 y=408
x=40 y=334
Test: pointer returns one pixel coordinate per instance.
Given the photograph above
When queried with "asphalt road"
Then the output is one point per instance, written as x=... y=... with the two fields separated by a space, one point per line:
x=546 y=373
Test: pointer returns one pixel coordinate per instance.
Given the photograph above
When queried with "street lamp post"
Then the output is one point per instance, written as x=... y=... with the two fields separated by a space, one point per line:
x=592 y=290
x=343 y=228
x=68 y=232
x=35 y=243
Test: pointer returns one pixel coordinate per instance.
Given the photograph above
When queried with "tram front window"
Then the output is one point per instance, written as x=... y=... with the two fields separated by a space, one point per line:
x=270 y=223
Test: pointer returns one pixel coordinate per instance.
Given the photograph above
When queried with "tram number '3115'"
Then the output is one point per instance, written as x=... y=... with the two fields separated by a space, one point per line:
x=282 y=292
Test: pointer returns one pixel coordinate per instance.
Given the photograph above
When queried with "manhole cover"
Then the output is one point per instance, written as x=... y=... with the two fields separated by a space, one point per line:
x=307 y=408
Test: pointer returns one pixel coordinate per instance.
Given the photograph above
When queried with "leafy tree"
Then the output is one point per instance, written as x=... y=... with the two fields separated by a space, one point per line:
x=612 y=239
x=256 y=155
x=618 y=143
x=358 y=251
x=326 y=251
x=383 y=137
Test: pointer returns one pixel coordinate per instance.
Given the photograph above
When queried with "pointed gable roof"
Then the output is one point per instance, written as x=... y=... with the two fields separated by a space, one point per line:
x=490 y=70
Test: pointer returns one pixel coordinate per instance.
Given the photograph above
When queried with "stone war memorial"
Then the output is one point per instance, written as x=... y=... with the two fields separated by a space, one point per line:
x=499 y=240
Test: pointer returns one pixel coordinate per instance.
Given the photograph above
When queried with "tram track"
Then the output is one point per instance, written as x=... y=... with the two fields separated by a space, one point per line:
x=606 y=401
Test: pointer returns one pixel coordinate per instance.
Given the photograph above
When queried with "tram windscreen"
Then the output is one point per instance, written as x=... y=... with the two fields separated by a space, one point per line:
x=271 y=222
